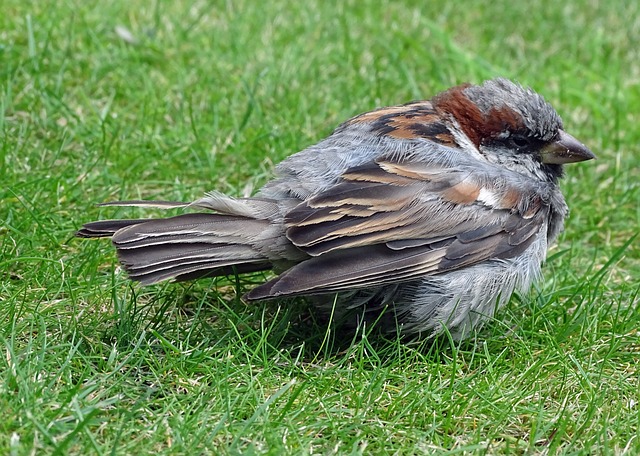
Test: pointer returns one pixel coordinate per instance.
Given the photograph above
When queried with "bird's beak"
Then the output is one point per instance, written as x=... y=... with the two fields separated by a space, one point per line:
x=566 y=149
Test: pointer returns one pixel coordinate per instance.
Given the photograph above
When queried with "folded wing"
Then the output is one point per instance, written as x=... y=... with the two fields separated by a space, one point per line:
x=390 y=221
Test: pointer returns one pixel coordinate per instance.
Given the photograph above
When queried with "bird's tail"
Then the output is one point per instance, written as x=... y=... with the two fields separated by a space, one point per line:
x=193 y=245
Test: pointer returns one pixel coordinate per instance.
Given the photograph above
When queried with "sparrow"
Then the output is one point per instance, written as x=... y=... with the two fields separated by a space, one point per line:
x=433 y=211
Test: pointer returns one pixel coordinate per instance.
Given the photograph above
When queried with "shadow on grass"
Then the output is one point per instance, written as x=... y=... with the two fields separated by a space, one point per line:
x=212 y=316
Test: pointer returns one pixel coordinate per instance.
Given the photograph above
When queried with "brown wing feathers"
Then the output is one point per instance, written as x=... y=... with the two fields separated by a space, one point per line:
x=396 y=238
x=358 y=267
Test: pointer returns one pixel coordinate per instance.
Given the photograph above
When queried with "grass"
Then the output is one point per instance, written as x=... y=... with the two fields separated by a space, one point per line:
x=204 y=95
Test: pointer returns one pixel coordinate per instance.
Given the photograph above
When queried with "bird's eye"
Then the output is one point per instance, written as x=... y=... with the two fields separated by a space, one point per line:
x=520 y=141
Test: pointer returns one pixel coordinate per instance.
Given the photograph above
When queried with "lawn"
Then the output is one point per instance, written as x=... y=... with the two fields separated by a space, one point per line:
x=121 y=100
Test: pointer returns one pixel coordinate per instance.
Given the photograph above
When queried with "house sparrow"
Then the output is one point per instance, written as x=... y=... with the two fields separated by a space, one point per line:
x=437 y=211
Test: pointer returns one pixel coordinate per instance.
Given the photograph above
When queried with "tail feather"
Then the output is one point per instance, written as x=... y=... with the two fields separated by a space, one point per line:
x=183 y=269
x=150 y=265
x=105 y=228
x=186 y=246
x=155 y=204
x=188 y=228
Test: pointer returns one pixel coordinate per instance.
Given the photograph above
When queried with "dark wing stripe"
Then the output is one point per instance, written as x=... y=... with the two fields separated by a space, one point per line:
x=375 y=237
x=480 y=233
x=344 y=269
x=410 y=243
x=462 y=251
x=308 y=235
x=501 y=245
x=373 y=173
x=524 y=231
x=364 y=194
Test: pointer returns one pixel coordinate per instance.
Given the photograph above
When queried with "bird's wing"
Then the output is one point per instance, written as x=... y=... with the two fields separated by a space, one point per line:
x=389 y=221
